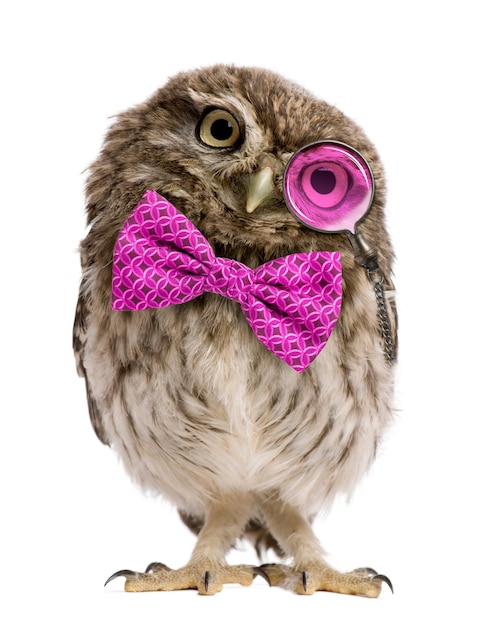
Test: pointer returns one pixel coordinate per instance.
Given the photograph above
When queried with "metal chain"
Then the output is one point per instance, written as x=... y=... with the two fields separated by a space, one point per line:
x=377 y=280
x=366 y=256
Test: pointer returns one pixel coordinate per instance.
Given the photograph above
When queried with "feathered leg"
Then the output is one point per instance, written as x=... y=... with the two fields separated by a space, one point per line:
x=207 y=569
x=309 y=572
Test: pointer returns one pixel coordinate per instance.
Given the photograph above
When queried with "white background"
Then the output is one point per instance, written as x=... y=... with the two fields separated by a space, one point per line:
x=419 y=77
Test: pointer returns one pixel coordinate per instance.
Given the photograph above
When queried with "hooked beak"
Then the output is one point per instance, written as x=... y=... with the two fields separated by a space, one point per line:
x=260 y=186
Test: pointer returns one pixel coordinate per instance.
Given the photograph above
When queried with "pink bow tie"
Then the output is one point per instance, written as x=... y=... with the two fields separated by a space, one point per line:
x=292 y=303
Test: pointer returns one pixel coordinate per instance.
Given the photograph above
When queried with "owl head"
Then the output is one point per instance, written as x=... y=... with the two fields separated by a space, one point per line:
x=216 y=142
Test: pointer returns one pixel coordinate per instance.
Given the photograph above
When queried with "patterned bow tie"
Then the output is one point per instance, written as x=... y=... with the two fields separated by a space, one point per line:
x=292 y=303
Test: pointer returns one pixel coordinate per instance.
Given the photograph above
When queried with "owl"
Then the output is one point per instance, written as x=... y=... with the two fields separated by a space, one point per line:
x=193 y=402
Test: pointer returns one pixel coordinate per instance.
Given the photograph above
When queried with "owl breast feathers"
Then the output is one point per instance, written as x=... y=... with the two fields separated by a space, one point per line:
x=187 y=396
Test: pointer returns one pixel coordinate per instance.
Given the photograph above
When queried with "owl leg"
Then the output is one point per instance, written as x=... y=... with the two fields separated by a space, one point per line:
x=309 y=572
x=207 y=569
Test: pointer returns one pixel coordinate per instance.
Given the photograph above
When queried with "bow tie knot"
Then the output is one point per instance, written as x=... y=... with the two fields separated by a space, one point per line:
x=292 y=303
x=230 y=278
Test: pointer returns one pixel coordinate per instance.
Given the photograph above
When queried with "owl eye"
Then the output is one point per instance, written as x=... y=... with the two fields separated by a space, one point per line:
x=219 y=129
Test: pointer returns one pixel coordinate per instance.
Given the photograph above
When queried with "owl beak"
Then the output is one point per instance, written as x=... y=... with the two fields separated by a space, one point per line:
x=260 y=186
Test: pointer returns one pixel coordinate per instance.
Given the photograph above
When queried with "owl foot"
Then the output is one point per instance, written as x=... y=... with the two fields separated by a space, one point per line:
x=317 y=577
x=207 y=577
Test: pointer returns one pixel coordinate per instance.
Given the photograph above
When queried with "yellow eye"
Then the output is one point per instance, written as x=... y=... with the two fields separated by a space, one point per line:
x=219 y=129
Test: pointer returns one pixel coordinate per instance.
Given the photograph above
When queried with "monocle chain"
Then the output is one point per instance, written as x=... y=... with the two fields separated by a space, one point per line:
x=366 y=256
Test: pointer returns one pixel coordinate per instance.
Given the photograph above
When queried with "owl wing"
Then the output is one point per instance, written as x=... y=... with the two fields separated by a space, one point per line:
x=79 y=343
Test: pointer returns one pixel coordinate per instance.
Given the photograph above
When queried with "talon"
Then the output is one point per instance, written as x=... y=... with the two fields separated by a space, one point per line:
x=259 y=571
x=368 y=572
x=206 y=579
x=384 y=579
x=127 y=573
x=157 y=567
x=264 y=565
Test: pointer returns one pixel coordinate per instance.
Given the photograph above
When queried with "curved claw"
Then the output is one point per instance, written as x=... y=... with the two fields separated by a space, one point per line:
x=127 y=573
x=368 y=572
x=304 y=580
x=207 y=577
x=384 y=579
x=259 y=571
x=157 y=567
